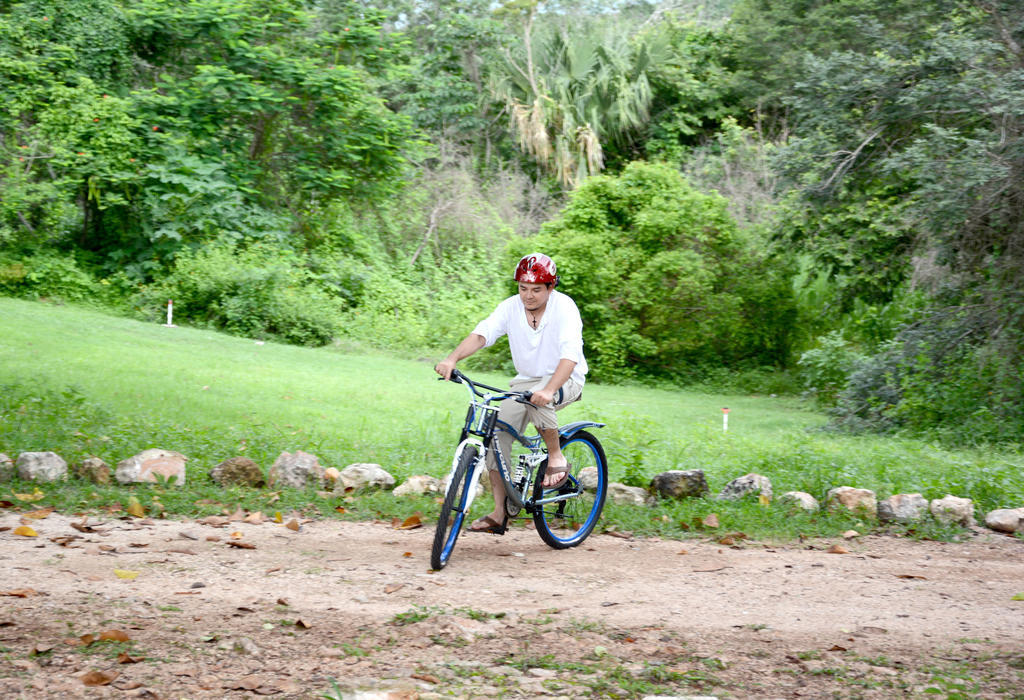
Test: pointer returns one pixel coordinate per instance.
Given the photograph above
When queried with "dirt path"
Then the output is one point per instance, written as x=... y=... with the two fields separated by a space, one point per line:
x=356 y=604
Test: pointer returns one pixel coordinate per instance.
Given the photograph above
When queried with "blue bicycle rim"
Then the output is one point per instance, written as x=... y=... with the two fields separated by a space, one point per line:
x=595 y=513
x=458 y=519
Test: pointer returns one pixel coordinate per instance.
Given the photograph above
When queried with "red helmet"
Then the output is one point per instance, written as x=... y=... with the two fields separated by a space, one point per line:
x=536 y=268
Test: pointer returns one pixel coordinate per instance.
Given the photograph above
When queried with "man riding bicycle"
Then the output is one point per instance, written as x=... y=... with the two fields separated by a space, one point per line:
x=545 y=336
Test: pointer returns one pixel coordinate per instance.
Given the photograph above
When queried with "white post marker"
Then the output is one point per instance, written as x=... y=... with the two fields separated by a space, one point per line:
x=725 y=420
x=170 y=313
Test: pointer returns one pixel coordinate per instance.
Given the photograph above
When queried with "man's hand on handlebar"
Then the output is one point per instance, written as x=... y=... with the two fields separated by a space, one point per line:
x=445 y=368
x=542 y=397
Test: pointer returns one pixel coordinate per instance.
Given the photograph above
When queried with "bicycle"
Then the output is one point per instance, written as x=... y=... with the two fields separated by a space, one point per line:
x=563 y=516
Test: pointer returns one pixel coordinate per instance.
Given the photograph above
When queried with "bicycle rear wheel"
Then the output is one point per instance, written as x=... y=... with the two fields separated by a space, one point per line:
x=453 y=509
x=567 y=523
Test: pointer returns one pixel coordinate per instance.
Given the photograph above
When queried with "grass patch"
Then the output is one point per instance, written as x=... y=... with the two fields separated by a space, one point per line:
x=418 y=613
x=81 y=383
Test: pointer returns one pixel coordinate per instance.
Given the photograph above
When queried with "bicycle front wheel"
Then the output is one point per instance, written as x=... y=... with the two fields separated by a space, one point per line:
x=567 y=523
x=453 y=509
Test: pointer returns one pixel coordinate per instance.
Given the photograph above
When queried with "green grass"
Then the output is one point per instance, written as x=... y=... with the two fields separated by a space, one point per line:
x=80 y=383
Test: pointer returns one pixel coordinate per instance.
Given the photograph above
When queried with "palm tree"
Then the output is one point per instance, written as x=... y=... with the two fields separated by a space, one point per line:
x=569 y=94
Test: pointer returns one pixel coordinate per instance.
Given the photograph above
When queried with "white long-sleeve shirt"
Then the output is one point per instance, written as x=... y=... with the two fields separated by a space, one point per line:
x=536 y=352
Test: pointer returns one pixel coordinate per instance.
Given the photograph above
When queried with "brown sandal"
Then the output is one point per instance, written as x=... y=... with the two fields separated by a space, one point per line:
x=491 y=526
x=564 y=471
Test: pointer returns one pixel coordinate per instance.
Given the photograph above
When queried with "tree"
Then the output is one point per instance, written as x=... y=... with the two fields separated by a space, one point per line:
x=771 y=40
x=64 y=135
x=170 y=124
x=692 y=91
x=908 y=161
x=664 y=279
x=450 y=46
x=571 y=93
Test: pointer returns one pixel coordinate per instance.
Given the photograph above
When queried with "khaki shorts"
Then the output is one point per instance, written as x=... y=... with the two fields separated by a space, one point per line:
x=518 y=414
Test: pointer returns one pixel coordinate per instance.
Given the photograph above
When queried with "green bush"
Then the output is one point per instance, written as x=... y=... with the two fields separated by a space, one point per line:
x=428 y=308
x=46 y=274
x=664 y=279
x=826 y=368
x=260 y=291
x=932 y=381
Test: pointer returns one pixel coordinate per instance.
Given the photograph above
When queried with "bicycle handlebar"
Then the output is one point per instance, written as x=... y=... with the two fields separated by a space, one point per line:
x=460 y=378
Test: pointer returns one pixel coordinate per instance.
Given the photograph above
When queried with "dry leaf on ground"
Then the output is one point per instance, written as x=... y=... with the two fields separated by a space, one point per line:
x=180 y=550
x=413 y=521
x=38 y=514
x=135 y=508
x=95 y=678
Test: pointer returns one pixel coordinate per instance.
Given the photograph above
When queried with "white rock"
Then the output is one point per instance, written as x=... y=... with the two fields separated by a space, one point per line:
x=366 y=475
x=903 y=508
x=542 y=672
x=952 y=510
x=626 y=495
x=480 y=485
x=802 y=499
x=745 y=485
x=418 y=484
x=149 y=464
x=41 y=466
x=297 y=470
x=588 y=478
x=859 y=501
x=1006 y=520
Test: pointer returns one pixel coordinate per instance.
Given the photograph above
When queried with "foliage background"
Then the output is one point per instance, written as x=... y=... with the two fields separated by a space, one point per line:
x=761 y=196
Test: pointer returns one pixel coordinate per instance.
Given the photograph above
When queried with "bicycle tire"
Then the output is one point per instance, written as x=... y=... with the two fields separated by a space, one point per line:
x=453 y=509
x=567 y=523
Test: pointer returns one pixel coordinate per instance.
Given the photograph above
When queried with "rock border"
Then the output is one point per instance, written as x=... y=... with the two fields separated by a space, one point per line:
x=302 y=469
